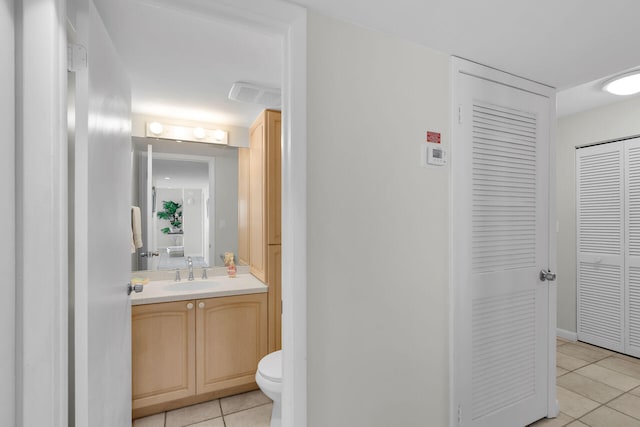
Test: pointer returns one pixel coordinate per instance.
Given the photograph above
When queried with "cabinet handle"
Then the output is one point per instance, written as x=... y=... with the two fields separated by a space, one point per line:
x=190 y=306
x=201 y=305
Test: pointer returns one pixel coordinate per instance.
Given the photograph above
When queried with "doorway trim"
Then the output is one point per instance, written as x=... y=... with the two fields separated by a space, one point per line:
x=289 y=21
x=456 y=314
x=41 y=327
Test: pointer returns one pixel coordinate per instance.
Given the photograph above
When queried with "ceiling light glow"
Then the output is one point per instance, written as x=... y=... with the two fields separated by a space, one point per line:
x=626 y=84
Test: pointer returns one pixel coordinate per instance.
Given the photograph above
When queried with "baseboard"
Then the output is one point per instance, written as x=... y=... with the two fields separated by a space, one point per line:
x=567 y=335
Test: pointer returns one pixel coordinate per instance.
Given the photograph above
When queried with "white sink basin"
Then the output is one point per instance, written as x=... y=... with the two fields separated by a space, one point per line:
x=200 y=285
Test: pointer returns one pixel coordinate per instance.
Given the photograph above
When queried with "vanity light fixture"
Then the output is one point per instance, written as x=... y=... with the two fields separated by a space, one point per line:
x=624 y=84
x=187 y=133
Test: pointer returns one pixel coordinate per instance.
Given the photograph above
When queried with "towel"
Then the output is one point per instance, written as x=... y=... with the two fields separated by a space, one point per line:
x=136 y=229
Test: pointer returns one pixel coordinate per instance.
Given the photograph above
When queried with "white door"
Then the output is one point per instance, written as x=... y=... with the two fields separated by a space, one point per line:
x=500 y=168
x=632 y=245
x=600 y=226
x=608 y=214
x=102 y=224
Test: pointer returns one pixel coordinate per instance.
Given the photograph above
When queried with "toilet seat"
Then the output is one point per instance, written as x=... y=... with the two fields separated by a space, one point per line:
x=270 y=367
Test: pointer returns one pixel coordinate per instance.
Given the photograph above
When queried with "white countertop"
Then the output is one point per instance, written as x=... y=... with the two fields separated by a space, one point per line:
x=155 y=291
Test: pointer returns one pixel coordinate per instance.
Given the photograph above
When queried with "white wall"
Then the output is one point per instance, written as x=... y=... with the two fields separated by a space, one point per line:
x=601 y=124
x=7 y=194
x=378 y=223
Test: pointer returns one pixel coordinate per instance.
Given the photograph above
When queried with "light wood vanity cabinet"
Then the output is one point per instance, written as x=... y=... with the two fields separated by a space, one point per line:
x=260 y=231
x=198 y=348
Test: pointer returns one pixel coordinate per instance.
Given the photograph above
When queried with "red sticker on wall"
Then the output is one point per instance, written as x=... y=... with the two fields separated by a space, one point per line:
x=433 y=137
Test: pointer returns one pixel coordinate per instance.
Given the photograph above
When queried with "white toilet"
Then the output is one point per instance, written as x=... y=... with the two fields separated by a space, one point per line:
x=269 y=379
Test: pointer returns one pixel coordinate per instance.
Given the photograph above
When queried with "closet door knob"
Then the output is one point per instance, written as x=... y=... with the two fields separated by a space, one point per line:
x=547 y=275
x=190 y=306
x=200 y=304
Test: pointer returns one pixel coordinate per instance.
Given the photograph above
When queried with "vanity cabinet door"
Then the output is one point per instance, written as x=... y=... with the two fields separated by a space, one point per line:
x=163 y=352
x=231 y=339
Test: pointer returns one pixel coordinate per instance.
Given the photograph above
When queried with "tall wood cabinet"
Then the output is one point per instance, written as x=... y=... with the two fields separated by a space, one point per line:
x=259 y=231
x=189 y=351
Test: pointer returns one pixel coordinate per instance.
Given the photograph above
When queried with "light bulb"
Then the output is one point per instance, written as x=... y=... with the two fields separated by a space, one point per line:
x=199 y=133
x=218 y=135
x=155 y=128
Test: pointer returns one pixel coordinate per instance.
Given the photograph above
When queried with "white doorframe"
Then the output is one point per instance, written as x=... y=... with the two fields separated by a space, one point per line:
x=41 y=215
x=41 y=244
x=459 y=65
x=7 y=192
x=290 y=22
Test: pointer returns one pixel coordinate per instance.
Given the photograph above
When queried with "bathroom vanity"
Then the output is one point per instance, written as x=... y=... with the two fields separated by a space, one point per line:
x=196 y=341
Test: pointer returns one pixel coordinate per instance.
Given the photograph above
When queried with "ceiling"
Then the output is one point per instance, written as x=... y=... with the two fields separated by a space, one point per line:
x=561 y=43
x=182 y=65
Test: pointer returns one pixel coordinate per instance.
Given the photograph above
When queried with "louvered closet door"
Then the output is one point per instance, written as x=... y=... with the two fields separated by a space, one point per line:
x=600 y=215
x=632 y=245
x=503 y=215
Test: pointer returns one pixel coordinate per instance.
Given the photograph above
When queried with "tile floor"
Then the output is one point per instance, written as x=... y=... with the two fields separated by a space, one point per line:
x=252 y=409
x=596 y=387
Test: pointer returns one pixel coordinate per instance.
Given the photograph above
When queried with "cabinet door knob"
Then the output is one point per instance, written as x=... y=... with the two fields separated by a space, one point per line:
x=200 y=304
x=190 y=306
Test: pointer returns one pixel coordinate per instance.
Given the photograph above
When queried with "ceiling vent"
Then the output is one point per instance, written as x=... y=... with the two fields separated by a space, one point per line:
x=255 y=94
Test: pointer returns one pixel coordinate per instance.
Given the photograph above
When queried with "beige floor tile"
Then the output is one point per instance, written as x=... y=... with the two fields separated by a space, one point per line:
x=151 y=421
x=560 y=371
x=193 y=414
x=603 y=350
x=243 y=401
x=561 y=420
x=609 y=377
x=635 y=391
x=627 y=404
x=561 y=341
x=254 y=417
x=584 y=352
x=216 y=422
x=628 y=358
x=620 y=365
x=577 y=424
x=573 y=404
x=569 y=363
x=589 y=388
x=607 y=417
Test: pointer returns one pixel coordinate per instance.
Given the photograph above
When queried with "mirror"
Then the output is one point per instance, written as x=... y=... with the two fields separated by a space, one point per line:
x=188 y=199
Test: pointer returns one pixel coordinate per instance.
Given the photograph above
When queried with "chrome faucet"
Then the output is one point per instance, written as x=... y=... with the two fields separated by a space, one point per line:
x=190 y=266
